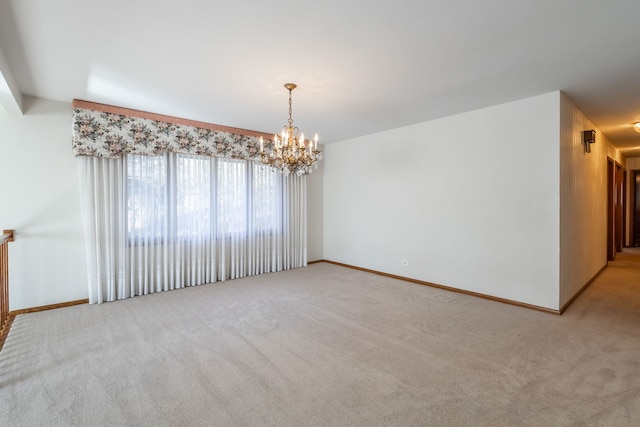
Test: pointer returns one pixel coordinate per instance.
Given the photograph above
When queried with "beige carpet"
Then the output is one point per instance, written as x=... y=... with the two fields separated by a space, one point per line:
x=327 y=345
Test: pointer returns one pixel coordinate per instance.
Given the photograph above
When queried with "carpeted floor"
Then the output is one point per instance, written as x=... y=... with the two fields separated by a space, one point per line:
x=327 y=345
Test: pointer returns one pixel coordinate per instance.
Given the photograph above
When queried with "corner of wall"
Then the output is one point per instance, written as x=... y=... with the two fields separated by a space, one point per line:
x=583 y=196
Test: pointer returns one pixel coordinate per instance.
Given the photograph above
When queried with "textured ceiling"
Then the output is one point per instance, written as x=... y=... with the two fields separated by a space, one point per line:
x=361 y=66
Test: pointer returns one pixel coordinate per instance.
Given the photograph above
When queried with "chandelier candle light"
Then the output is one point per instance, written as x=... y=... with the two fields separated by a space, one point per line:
x=291 y=153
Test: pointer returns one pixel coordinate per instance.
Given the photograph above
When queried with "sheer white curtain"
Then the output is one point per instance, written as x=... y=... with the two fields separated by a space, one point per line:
x=156 y=223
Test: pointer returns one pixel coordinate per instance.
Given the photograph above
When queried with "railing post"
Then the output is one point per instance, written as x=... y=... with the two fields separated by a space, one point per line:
x=8 y=233
x=5 y=238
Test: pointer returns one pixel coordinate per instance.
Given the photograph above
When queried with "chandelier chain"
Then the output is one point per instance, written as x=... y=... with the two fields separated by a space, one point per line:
x=290 y=110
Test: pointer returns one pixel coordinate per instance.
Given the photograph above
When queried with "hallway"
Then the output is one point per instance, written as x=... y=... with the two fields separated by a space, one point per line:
x=614 y=296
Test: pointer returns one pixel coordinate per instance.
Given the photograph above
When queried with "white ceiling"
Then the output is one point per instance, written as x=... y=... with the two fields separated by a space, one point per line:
x=361 y=66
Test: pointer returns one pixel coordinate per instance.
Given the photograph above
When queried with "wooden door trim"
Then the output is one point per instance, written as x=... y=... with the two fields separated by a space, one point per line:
x=611 y=169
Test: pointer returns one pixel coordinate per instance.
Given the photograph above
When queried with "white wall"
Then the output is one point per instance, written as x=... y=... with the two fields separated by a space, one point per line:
x=314 y=213
x=471 y=201
x=583 y=195
x=39 y=186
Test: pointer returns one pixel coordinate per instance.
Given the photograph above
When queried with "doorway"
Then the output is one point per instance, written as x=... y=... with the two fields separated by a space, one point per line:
x=634 y=203
x=615 y=208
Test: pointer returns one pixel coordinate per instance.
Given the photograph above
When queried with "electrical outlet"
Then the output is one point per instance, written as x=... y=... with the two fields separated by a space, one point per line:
x=404 y=262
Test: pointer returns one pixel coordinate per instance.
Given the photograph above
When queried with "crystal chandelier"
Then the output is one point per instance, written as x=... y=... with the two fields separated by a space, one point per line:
x=290 y=153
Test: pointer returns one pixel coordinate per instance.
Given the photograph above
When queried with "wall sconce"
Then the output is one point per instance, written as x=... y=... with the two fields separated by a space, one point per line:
x=588 y=137
x=636 y=127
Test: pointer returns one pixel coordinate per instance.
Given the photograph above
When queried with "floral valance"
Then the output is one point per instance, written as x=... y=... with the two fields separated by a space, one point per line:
x=105 y=131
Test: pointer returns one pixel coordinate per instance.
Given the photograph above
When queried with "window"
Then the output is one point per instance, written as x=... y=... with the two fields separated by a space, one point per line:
x=232 y=196
x=164 y=222
x=147 y=196
x=177 y=196
x=192 y=195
